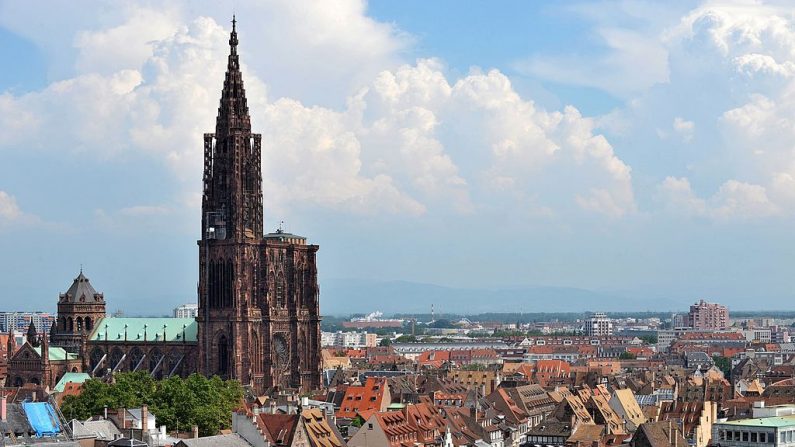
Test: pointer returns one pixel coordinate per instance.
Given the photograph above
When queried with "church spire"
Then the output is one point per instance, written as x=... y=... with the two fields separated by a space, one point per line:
x=233 y=112
x=232 y=202
x=32 y=336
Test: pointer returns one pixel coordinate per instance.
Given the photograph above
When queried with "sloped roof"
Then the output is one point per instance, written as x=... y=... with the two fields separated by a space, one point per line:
x=319 y=431
x=70 y=377
x=80 y=288
x=231 y=440
x=279 y=428
x=56 y=354
x=145 y=329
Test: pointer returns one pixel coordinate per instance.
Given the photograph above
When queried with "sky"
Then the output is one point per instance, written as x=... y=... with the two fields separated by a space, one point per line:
x=638 y=148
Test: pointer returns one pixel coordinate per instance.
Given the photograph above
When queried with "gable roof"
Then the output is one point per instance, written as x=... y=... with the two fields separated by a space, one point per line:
x=318 y=429
x=279 y=428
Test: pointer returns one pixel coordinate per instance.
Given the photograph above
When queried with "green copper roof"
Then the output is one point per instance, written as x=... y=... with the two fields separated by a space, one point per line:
x=70 y=377
x=145 y=330
x=56 y=354
x=777 y=422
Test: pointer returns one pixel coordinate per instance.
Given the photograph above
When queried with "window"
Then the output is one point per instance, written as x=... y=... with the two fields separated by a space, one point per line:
x=753 y=437
x=745 y=436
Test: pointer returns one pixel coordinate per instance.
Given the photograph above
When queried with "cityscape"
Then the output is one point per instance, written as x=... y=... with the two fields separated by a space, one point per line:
x=412 y=300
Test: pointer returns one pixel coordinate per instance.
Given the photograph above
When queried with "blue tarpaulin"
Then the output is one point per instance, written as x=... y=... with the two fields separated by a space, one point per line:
x=42 y=418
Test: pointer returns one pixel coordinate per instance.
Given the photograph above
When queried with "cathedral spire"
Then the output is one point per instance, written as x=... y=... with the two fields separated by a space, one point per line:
x=233 y=111
x=232 y=202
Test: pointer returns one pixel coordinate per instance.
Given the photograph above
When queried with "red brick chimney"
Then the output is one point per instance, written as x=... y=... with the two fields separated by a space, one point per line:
x=144 y=418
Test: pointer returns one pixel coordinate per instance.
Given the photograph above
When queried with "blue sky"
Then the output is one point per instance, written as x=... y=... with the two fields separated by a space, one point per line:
x=630 y=147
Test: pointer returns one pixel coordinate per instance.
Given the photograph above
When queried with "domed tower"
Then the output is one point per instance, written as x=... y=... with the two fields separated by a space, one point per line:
x=79 y=310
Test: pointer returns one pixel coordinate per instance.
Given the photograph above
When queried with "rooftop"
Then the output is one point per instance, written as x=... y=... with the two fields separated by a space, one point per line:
x=145 y=330
x=777 y=422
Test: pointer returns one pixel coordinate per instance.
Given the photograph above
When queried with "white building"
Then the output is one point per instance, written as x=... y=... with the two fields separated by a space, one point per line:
x=758 y=335
x=598 y=325
x=190 y=310
x=348 y=339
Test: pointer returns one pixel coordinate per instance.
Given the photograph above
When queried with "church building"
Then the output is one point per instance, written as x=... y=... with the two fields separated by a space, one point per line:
x=258 y=319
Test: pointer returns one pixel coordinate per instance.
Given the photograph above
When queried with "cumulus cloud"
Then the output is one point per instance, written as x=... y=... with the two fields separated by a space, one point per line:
x=733 y=200
x=408 y=141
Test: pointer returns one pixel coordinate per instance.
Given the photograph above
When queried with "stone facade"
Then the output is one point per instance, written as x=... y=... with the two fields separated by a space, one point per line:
x=79 y=310
x=258 y=295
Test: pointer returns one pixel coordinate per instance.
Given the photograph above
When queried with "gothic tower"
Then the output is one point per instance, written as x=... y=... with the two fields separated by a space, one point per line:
x=258 y=296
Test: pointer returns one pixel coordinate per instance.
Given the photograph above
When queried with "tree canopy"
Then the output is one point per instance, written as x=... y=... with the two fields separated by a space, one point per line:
x=177 y=403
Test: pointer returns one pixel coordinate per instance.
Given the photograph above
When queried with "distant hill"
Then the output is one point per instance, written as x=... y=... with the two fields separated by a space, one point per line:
x=346 y=296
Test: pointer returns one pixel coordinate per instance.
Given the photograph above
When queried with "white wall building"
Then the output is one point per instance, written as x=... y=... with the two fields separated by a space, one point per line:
x=348 y=339
x=598 y=325
x=190 y=310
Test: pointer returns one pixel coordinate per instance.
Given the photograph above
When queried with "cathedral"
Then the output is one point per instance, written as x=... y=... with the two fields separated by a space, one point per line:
x=258 y=319
x=258 y=316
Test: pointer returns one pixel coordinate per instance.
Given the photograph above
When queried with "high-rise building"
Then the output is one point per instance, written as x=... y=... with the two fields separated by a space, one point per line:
x=259 y=318
x=189 y=310
x=598 y=325
x=708 y=316
x=20 y=321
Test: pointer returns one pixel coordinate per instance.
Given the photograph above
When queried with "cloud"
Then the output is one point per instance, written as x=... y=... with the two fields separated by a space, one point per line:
x=408 y=141
x=733 y=200
x=684 y=128
x=9 y=210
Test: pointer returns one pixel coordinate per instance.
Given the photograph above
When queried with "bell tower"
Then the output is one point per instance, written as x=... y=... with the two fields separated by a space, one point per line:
x=231 y=231
x=258 y=313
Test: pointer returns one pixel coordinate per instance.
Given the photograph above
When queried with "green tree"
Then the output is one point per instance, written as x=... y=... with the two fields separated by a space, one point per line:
x=386 y=341
x=626 y=355
x=176 y=402
x=723 y=364
x=406 y=339
x=649 y=339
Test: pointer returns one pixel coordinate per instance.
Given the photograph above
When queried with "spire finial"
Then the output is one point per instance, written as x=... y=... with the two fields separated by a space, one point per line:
x=234 y=22
x=81 y=268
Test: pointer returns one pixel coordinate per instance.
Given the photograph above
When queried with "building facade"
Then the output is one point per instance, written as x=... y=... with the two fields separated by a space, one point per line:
x=19 y=321
x=258 y=313
x=598 y=325
x=708 y=316
x=190 y=310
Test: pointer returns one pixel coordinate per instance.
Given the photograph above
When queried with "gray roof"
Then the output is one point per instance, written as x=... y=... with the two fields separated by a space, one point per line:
x=232 y=440
x=81 y=287
x=127 y=442
x=103 y=430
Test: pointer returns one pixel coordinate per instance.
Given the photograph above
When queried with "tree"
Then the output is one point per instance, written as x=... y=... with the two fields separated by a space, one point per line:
x=386 y=341
x=175 y=402
x=406 y=339
x=442 y=324
x=649 y=339
x=626 y=355
x=723 y=364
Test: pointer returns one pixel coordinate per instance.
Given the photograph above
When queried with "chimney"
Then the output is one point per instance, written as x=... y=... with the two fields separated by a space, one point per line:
x=195 y=431
x=121 y=414
x=144 y=418
x=3 y=408
x=670 y=432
